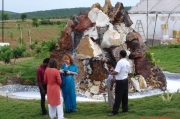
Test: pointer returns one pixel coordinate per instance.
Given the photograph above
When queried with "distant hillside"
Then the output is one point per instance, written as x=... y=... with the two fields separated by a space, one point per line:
x=11 y=14
x=56 y=13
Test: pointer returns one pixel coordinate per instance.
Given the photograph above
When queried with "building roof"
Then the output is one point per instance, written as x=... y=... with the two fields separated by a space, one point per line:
x=156 y=6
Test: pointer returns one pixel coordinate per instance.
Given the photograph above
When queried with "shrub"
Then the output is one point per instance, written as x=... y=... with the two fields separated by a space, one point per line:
x=35 y=22
x=150 y=56
x=49 y=45
x=166 y=98
x=5 y=54
x=46 y=22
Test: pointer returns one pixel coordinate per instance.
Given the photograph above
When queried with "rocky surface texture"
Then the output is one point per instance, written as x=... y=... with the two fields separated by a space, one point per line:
x=99 y=35
x=13 y=80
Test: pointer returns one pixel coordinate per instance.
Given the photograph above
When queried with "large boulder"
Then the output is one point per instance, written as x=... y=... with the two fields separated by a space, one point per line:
x=107 y=7
x=120 y=15
x=102 y=19
x=92 y=33
x=96 y=5
x=87 y=49
x=81 y=72
x=116 y=51
x=84 y=23
x=123 y=31
x=65 y=41
x=142 y=64
x=13 y=80
x=159 y=77
x=93 y=15
x=58 y=55
x=142 y=82
x=99 y=73
x=135 y=83
x=111 y=38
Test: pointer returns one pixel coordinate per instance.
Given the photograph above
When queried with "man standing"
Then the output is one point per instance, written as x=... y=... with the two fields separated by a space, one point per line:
x=42 y=84
x=121 y=90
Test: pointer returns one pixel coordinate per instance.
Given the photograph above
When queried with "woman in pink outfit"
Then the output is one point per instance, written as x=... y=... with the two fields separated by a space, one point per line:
x=54 y=96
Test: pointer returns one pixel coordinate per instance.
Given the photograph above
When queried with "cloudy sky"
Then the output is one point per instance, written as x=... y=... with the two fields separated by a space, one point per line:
x=21 y=6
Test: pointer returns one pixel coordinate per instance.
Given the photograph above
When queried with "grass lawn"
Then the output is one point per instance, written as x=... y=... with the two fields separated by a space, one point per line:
x=144 y=108
x=25 y=68
x=168 y=56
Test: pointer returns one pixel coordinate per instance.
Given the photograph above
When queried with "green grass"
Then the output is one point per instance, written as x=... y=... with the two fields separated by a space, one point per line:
x=169 y=57
x=150 y=107
x=27 y=67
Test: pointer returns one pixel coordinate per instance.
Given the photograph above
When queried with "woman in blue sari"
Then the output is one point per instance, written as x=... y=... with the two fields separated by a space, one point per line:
x=68 y=70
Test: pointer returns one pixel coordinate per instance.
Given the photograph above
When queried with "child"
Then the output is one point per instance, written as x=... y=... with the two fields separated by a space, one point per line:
x=109 y=82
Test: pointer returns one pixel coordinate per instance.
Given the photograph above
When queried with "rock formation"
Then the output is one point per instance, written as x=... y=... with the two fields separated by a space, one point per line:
x=13 y=80
x=99 y=35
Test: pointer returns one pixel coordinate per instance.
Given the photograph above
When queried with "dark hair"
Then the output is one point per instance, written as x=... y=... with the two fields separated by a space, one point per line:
x=123 y=53
x=46 y=60
x=109 y=62
x=53 y=63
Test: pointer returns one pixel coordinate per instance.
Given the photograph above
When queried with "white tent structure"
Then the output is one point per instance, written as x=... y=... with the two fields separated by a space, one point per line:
x=156 y=19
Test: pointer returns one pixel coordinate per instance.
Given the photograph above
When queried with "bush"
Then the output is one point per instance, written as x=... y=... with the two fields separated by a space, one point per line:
x=58 y=22
x=35 y=22
x=5 y=54
x=46 y=22
x=18 y=51
x=151 y=58
x=50 y=45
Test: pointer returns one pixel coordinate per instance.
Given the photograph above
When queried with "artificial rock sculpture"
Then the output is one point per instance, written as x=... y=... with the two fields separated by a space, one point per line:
x=152 y=74
x=99 y=35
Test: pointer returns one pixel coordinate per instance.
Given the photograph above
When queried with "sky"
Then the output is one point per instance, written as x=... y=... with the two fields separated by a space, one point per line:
x=21 y=6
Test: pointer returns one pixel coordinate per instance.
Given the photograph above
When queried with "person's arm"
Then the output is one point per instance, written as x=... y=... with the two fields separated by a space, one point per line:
x=114 y=73
x=75 y=71
x=40 y=78
x=117 y=69
x=71 y=72
x=112 y=82
x=59 y=81
x=61 y=69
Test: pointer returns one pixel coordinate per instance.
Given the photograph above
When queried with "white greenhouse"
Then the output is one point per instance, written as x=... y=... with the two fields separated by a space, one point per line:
x=156 y=19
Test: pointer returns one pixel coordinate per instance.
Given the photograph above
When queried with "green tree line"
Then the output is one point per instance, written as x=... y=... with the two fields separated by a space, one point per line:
x=56 y=13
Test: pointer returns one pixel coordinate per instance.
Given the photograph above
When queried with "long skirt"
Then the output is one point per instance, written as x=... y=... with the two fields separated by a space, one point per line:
x=69 y=94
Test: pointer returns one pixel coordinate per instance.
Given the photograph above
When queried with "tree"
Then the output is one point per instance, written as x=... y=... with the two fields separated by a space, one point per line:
x=11 y=35
x=5 y=54
x=23 y=16
x=49 y=45
x=6 y=16
x=17 y=52
x=35 y=22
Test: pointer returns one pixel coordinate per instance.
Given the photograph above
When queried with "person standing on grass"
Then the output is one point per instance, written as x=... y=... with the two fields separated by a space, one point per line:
x=121 y=90
x=110 y=82
x=54 y=95
x=42 y=84
x=68 y=70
